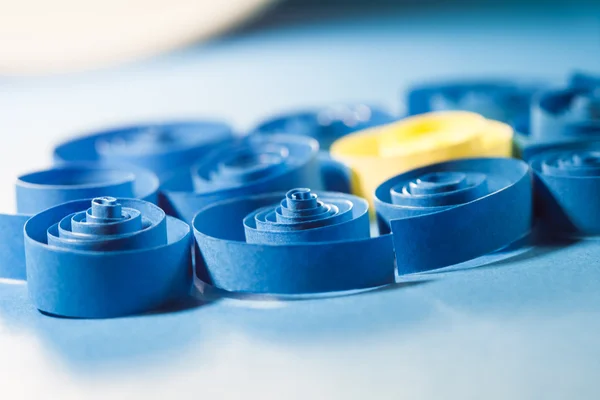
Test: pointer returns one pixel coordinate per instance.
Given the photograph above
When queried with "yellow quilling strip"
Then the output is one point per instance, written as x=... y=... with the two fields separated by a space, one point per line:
x=376 y=154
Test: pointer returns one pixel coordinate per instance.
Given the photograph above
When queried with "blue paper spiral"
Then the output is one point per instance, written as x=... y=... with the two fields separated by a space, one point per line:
x=326 y=125
x=502 y=100
x=251 y=165
x=566 y=112
x=40 y=190
x=306 y=242
x=106 y=257
x=451 y=212
x=567 y=186
x=295 y=242
x=161 y=148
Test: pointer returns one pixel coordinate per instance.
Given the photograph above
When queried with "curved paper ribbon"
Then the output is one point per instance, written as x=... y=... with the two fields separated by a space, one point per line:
x=251 y=165
x=502 y=100
x=564 y=116
x=379 y=153
x=117 y=257
x=327 y=125
x=161 y=148
x=567 y=187
x=451 y=212
x=560 y=111
x=40 y=190
x=307 y=242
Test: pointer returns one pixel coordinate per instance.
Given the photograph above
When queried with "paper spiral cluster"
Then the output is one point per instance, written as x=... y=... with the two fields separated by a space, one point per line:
x=305 y=242
x=161 y=148
x=379 y=153
x=40 y=190
x=106 y=257
x=567 y=187
x=252 y=165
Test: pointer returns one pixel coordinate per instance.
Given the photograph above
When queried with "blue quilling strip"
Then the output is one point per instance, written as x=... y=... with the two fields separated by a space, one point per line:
x=326 y=125
x=555 y=112
x=567 y=188
x=321 y=244
x=161 y=148
x=251 y=165
x=40 y=190
x=502 y=100
x=448 y=213
x=125 y=257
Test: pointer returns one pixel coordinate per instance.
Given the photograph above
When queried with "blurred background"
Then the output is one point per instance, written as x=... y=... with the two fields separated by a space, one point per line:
x=68 y=67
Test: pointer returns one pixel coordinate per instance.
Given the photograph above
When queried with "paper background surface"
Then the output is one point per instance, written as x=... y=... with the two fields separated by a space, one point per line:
x=521 y=328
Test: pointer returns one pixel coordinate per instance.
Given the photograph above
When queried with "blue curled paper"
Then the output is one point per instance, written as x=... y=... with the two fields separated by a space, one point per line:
x=567 y=188
x=159 y=147
x=308 y=242
x=567 y=112
x=502 y=100
x=326 y=125
x=40 y=190
x=247 y=166
x=106 y=257
x=451 y=212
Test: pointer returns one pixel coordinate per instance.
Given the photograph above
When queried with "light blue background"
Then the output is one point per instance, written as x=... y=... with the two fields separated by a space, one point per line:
x=522 y=328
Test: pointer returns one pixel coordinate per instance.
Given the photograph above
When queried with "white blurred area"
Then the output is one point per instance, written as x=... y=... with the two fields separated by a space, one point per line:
x=49 y=36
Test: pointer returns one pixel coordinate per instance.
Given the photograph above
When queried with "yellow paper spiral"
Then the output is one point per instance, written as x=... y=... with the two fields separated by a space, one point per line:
x=376 y=154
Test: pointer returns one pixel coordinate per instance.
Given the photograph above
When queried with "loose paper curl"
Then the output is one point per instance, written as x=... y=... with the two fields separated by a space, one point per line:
x=251 y=165
x=502 y=100
x=105 y=258
x=40 y=190
x=567 y=188
x=327 y=125
x=161 y=148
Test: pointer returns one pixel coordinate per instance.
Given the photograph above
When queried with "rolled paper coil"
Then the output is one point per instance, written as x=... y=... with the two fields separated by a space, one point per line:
x=40 y=190
x=307 y=242
x=502 y=100
x=379 y=153
x=559 y=112
x=327 y=125
x=451 y=212
x=567 y=188
x=160 y=148
x=251 y=165
x=106 y=257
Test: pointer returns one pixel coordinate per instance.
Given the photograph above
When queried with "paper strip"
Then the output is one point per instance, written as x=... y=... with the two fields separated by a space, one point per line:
x=567 y=187
x=252 y=165
x=40 y=190
x=117 y=257
x=503 y=100
x=327 y=125
x=160 y=148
